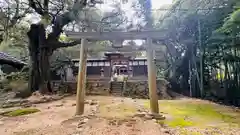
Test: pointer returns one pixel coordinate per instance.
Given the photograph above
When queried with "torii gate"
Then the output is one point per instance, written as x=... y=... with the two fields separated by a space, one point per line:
x=144 y=35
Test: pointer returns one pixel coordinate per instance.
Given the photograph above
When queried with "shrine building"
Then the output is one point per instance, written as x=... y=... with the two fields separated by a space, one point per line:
x=113 y=63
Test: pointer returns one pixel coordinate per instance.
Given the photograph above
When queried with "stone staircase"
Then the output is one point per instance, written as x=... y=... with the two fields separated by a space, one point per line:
x=116 y=88
x=55 y=86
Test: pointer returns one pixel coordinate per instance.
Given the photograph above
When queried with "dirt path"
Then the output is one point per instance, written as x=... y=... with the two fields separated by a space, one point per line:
x=56 y=118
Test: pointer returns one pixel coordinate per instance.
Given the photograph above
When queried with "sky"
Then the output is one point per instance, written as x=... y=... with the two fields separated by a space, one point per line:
x=158 y=3
x=126 y=6
x=155 y=3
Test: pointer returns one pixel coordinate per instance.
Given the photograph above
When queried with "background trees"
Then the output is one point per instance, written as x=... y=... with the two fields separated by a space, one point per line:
x=203 y=39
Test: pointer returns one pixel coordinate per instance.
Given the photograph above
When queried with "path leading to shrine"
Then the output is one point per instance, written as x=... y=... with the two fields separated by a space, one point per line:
x=108 y=115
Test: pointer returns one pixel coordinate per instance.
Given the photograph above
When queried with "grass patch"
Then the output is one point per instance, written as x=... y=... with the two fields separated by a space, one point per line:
x=179 y=122
x=19 y=112
x=192 y=113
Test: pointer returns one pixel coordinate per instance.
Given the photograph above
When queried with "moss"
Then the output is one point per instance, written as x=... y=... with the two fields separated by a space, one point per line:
x=179 y=122
x=196 y=113
x=20 y=112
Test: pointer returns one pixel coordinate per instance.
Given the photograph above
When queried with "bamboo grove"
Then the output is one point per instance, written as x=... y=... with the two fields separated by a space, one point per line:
x=203 y=44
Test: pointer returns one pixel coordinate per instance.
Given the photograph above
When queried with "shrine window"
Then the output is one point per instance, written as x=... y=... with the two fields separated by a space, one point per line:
x=95 y=64
x=101 y=63
x=89 y=63
x=135 y=63
x=141 y=63
x=107 y=63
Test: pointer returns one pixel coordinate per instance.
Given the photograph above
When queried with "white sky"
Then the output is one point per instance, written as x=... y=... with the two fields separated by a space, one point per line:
x=155 y=3
x=158 y=3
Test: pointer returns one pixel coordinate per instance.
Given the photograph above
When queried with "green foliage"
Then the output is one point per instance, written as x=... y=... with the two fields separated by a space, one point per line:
x=16 y=42
x=219 y=24
x=14 y=76
x=19 y=112
x=232 y=23
x=4 y=85
x=16 y=82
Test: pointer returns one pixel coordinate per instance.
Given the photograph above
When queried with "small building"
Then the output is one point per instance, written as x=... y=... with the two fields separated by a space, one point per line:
x=113 y=63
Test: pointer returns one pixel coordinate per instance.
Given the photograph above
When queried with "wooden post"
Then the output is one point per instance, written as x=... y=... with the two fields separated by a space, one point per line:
x=81 y=80
x=152 y=83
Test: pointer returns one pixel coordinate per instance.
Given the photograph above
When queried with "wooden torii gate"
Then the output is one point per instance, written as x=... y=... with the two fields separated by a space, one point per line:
x=143 y=35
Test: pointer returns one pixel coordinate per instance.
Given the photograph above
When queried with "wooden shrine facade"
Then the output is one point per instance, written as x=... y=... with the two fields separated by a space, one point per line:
x=103 y=67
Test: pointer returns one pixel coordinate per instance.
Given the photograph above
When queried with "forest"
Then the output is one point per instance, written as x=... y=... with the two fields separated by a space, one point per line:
x=205 y=38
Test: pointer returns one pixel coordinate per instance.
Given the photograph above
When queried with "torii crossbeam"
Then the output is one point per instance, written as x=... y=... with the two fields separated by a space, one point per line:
x=144 y=35
x=160 y=35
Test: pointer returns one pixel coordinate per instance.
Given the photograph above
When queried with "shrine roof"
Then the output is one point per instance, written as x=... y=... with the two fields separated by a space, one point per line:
x=103 y=59
x=8 y=59
x=112 y=53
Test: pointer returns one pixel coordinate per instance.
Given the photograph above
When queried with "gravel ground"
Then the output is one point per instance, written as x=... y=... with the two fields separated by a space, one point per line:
x=56 y=118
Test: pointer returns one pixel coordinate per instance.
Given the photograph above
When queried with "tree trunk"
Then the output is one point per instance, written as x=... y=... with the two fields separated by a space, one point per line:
x=33 y=52
x=45 y=85
x=40 y=53
x=44 y=64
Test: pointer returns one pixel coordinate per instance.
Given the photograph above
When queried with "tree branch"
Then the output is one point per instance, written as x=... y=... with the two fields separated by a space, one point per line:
x=60 y=44
x=38 y=8
x=45 y=5
x=16 y=17
x=112 y=15
x=58 y=9
x=66 y=18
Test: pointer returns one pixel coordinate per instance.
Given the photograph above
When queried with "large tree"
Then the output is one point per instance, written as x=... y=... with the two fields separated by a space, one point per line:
x=56 y=15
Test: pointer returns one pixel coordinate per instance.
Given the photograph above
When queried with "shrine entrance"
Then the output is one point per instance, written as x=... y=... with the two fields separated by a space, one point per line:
x=148 y=36
x=119 y=64
x=120 y=70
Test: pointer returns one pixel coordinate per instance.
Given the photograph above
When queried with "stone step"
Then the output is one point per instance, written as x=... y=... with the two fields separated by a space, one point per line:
x=120 y=87
x=116 y=87
x=56 y=86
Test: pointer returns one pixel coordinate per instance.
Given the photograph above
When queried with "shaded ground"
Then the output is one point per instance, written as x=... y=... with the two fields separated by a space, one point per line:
x=105 y=115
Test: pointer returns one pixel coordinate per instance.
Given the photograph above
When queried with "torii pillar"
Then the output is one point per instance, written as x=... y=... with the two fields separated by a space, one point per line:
x=152 y=82
x=81 y=81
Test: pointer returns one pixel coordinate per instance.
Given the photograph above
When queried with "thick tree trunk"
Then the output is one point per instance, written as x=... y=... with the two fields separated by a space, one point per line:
x=44 y=68
x=44 y=64
x=39 y=57
x=33 y=52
